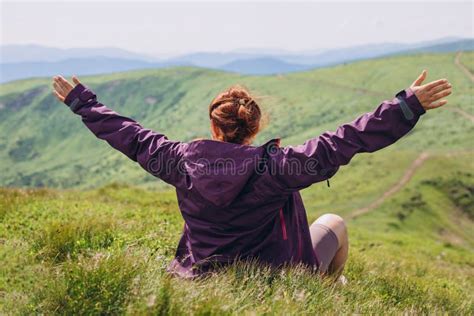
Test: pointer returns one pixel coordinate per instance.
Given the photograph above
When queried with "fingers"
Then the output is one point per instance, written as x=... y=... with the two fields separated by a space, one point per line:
x=433 y=84
x=420 y=79
x=62 y=87
x=57 y=84
x=61 y=82
x=430 y=94
x=437 y=104
x=75 y=80
x=442 y=94
x=58 y=96
x=59 y=88
x=64 y=83
x=441 y=88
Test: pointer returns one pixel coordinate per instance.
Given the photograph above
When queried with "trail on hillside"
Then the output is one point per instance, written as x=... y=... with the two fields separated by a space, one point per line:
x=395 y=188
x=463 y=113
x=409 y=173
x=460 y=65
x=470 y=75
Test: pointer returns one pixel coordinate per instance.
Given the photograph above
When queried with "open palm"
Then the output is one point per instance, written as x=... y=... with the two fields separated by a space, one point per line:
x=62 y=87
x=430 y=94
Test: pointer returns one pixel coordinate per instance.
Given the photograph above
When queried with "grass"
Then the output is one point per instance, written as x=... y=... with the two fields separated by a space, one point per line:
x=97 y=285
x=64 y=240
x=105 y=251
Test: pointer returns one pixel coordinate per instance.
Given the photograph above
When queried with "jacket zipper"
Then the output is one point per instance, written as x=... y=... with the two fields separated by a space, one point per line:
x=283 y=225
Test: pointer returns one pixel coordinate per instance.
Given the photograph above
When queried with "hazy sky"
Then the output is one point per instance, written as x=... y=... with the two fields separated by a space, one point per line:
x=164 y=28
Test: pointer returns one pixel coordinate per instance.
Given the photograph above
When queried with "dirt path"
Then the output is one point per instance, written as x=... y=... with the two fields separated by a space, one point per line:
x=395 y=188
x=457 y=62
x=463 y=113
x=419 y=161
x=470 y=75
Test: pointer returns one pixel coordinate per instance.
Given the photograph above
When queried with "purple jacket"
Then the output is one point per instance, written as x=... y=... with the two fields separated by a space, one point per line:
x=238 y=201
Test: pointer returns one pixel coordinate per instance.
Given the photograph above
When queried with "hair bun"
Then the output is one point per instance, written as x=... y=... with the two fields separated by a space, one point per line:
x=236 y=114
x=243 y=113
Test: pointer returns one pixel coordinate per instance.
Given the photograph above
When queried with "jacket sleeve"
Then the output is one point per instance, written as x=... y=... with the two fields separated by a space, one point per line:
x=153 y=151
x=319 y=158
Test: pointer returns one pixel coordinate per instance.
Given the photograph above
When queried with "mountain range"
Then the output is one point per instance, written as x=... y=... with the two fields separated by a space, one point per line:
x=29 y=61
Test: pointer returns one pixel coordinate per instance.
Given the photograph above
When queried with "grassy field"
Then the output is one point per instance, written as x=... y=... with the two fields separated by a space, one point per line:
x=83 y=246
x=105 y=251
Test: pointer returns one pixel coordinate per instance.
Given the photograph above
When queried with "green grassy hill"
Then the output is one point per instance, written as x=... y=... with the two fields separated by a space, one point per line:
x=44 y=144
x=105 y=249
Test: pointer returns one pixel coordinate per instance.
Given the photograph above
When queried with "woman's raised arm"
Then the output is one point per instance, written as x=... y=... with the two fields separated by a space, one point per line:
x=319 y=158
x=153 y=151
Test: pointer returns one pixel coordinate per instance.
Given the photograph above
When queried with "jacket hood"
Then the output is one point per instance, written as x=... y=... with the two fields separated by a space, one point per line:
x=219 y=171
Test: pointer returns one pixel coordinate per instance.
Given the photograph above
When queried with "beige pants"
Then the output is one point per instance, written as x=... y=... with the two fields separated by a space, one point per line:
x=325 y=245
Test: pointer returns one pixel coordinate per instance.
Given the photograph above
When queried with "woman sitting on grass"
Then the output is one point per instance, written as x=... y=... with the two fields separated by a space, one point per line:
x=240 y=201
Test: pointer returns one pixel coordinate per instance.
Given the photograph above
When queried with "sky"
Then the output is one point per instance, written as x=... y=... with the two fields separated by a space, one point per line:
x=163 y=29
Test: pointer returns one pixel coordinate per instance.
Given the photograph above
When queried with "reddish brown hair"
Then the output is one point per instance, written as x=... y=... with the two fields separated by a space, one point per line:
x=236 y=115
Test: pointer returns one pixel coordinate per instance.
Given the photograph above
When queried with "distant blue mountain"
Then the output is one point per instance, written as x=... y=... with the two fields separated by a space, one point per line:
x=461 y=45
x=262 y=66
x=261 y=63
x=38 y=53
x=314 y=59
x=342 y=55
x=214 y=60
x=78 y=66
x=26 y=61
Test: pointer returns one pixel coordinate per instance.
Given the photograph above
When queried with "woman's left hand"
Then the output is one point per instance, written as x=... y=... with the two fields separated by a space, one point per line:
x=430 y=94
x=62 y=87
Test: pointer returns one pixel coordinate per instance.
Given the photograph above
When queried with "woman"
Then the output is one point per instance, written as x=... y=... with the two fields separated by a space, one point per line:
x=243 y=202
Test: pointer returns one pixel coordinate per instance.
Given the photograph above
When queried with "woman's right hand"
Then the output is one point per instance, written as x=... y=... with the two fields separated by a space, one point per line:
x=430 y=94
